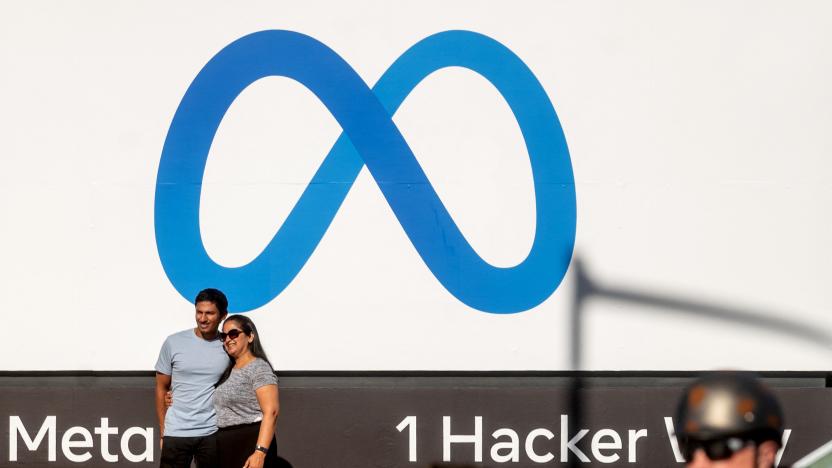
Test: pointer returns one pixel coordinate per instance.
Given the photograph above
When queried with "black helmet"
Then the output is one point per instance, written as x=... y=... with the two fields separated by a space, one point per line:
x=727 y=405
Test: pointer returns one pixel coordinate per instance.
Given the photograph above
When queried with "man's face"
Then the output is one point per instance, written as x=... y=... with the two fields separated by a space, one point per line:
x=208 y=318
x=751 y=456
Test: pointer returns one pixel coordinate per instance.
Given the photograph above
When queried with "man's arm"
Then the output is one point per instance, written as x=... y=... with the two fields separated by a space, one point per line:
x=162 y=387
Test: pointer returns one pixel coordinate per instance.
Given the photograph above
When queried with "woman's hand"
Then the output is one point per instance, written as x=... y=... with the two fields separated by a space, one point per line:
x=255 y=460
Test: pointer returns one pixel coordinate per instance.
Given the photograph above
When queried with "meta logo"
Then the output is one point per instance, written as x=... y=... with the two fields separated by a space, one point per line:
x=369 y=138
x=77 y=443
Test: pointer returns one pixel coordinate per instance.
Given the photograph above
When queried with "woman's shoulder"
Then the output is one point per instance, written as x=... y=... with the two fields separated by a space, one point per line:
x=261 y=373
x=259 y=365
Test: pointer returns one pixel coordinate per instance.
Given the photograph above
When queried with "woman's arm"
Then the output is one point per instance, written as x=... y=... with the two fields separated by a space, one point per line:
x=267 y=397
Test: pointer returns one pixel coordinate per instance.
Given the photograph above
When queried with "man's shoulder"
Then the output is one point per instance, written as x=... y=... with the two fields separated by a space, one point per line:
x=172 y=345
x=179 y=336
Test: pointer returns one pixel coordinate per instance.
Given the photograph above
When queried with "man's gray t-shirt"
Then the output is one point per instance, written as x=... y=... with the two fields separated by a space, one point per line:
x=195 y=365
x=236 y=398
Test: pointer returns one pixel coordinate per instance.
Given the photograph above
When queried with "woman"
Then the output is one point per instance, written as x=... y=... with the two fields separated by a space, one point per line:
x=246 y=399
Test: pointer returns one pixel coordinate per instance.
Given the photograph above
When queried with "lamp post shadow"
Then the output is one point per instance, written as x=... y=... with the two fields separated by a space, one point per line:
x=586 y=287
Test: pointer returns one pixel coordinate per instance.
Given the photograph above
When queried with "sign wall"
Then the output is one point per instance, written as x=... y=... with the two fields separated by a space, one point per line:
x=404 y=421
x=420 y=186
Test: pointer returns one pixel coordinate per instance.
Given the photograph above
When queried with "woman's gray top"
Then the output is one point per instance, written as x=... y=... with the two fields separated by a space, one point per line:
x=235 y=399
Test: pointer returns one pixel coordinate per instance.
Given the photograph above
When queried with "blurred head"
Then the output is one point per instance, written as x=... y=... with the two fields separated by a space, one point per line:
x=211 y=307
x=729 y=420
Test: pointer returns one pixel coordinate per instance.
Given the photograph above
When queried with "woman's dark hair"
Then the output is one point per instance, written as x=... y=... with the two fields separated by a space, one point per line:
x=247 y=327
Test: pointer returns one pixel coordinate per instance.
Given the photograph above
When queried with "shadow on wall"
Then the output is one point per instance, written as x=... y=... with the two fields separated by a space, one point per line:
x=587 y=288
x=281 y=463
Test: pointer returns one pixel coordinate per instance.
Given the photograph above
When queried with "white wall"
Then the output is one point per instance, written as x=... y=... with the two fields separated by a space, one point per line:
x=700 y=141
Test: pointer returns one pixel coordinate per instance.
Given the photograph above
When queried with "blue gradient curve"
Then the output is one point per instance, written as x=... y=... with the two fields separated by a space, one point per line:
x=369 y=137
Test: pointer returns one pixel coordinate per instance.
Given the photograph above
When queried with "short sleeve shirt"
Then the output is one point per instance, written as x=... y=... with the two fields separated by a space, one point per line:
x=195 y=365
x=236 y=400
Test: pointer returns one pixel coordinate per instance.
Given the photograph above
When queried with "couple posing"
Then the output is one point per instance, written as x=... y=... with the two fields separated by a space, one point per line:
x=224 y=392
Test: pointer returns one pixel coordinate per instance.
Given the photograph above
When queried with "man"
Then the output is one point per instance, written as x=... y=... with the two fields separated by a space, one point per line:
x=729 y=420
x=189 y=365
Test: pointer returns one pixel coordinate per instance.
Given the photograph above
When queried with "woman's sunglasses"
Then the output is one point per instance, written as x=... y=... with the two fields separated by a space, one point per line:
x=233 y=333
x=717 y=449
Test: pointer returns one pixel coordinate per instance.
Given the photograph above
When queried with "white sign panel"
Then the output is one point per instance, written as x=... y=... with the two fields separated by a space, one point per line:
x=433 y=185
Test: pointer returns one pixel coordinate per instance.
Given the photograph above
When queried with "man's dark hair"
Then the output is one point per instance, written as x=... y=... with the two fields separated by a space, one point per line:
x=214 y=296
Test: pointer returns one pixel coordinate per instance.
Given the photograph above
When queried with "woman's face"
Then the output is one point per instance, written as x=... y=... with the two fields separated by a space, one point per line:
x=235 y=347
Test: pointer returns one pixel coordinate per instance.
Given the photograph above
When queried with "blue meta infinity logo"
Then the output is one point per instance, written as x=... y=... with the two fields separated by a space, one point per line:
x=369 y=138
